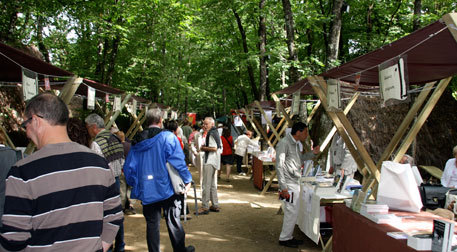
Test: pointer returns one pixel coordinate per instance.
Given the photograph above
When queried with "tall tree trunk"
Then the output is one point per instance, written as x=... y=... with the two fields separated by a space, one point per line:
x=417 y=14
x=335 y=31
x=262 y=50
x=369 y=26
x=112 y=60
x=289 y=25
x=250 y=69
x=39 y=35
x=324 y=27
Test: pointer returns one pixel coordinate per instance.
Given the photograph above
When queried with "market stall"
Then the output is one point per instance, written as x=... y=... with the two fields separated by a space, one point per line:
x=425 y=58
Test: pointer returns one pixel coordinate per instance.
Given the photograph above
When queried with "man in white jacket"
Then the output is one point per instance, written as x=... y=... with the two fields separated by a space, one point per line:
x=241 y=144
x=289 y=161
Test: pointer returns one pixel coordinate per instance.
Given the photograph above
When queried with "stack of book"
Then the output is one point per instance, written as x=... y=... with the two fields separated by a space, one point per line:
x=378 y=213
x=443 y=232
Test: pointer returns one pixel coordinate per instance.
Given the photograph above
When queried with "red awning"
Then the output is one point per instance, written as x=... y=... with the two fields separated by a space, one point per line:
x=431 y=54
x=12 y=60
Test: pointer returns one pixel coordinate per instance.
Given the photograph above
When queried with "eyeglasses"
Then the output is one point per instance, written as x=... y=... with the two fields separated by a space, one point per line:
x=24 y=124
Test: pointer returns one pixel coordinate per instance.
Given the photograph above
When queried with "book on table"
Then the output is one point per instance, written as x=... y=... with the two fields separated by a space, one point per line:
x=443 y=232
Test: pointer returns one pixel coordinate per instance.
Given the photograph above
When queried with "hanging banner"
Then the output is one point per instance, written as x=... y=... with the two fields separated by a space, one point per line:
x=392 y=81
x=304 y=110
x=117 y=103
x=165 y=114
x=29 y=84
x=90 y=98
x=333 y=94
x=47 y=85
x=268 y=113
x=237 y=121
x=296 y=103
x=134 y=106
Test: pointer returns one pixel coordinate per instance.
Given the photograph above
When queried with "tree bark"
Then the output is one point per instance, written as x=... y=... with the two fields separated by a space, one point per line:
x=112 y=60
x=250 y=69
x=417 y=14
x=39 y=35
x=262 y=50
x=324 y=28
x=335 y=33
x=294 y=76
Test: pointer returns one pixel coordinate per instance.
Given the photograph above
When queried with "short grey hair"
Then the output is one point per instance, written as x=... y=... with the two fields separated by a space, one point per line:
x=96 y=120
x=153 y=116
x=409 y=160
x=210 y=119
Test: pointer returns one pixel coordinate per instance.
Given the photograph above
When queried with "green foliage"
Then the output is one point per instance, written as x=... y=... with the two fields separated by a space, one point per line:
x=187 y=53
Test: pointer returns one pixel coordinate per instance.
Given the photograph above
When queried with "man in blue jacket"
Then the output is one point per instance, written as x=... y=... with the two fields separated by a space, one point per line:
x=145 y=170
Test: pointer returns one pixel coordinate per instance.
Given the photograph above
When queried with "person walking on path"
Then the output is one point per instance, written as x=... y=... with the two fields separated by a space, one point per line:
x=145 y=170
x=241 y=144
x=289 y=160
x=227 y=153
x=110 y=147
x=62 y=197
x=211 y=163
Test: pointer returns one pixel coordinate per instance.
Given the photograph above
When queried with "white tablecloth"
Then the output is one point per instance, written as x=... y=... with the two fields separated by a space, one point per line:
x=311 y=214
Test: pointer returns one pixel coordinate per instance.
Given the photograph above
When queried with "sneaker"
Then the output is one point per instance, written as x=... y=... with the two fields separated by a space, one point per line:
x=288 y=243
x=214 y=209
x=295 y=241
x=242 y=174
x=190 y=248
x=202 y=211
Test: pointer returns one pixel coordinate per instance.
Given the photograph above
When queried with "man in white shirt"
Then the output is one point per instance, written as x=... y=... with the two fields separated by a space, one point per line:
x=211 y=147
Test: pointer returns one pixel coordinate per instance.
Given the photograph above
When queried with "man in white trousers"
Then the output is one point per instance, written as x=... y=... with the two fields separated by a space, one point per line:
x=289 y=161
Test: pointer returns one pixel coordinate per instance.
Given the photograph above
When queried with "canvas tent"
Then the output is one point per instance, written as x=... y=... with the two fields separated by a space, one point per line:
x=430 y=58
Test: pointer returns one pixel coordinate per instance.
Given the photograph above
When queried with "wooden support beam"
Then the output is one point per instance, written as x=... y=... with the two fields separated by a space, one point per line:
x=255 y=124
x=137 y=128
x=313 y=112
x=135 y=123
x=282 y=110
x=450 y=20
x=272 y=127
x=116 y=113
x=405 y=123
x=7 y=138
x=428 y=107
x=278 y=128
x=345 y=130
x=69 y=89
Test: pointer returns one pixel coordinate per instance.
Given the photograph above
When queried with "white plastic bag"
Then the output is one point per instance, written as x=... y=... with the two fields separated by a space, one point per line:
x=398 y=188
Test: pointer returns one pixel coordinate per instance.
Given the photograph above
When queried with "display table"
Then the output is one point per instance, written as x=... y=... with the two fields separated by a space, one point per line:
x=258 y=172
x=310 y=215
x=354 y=232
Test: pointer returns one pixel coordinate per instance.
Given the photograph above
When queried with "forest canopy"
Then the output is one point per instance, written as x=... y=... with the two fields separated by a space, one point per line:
x=208 y=56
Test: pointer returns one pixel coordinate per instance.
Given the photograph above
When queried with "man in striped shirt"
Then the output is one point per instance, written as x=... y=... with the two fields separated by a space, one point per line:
x=62 y=197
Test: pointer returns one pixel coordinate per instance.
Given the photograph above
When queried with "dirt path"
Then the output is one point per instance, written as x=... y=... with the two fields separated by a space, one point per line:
x=247 y=222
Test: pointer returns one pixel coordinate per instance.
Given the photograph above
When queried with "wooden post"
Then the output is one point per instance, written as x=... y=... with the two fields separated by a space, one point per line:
x=405 y=123
x=116 y=113
x=428 y=107
x=7 y=138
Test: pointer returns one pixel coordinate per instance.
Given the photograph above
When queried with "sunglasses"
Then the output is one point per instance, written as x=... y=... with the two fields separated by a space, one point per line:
x=24 y=124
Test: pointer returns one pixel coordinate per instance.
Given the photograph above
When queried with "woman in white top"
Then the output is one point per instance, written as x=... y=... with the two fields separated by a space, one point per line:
x=449 y=177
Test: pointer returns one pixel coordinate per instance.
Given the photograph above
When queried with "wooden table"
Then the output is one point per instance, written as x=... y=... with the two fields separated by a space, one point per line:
x=258 y=173
x=354 y=232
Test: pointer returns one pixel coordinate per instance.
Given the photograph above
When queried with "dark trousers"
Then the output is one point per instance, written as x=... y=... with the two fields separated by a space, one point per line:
x=171 y=209
x=239 y=161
